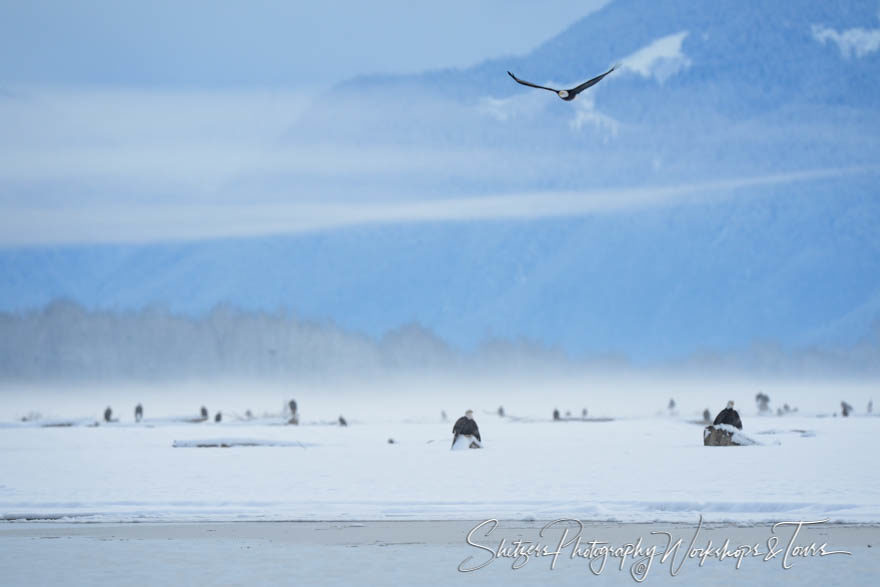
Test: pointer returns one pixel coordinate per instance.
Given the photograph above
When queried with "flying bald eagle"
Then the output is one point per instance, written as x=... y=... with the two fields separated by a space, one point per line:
x=567 y=95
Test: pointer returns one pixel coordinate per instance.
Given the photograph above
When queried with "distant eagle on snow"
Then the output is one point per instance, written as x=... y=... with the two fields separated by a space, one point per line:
x=567 y=95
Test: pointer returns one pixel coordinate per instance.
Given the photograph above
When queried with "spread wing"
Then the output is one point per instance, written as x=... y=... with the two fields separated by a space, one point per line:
x=577 y=90
x=530 y=84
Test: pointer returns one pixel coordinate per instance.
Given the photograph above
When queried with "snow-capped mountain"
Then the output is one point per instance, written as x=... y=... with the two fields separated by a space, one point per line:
x=703 y=89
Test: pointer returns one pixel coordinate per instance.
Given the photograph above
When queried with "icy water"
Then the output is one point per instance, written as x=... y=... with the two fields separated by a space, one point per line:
x=407 y=553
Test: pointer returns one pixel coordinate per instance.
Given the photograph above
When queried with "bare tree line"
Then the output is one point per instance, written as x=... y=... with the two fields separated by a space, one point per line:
x=65 y=340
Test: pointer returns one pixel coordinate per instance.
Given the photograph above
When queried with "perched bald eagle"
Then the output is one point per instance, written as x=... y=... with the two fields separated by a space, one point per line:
x=728 y=416
x=567 y=95
x=466 y=426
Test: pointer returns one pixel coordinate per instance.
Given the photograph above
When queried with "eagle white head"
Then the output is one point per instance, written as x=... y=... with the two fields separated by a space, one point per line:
x=562 y=94
x=469 y=414
x=730 y=404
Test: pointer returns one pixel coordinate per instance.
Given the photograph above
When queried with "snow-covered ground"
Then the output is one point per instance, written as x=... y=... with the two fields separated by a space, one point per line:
x=645 y=465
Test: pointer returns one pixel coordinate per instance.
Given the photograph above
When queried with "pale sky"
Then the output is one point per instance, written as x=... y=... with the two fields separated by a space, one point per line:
x=111 y=106
x=197 y=43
